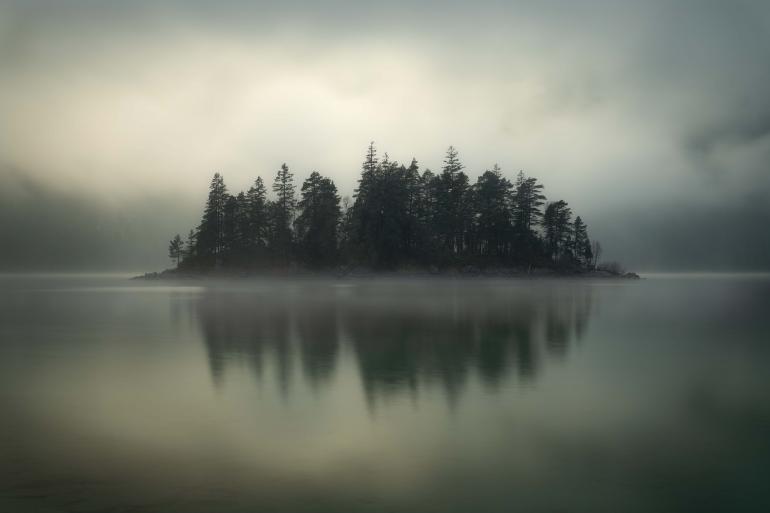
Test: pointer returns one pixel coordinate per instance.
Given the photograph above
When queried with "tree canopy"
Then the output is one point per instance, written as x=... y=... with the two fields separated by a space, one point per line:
x=400 y=216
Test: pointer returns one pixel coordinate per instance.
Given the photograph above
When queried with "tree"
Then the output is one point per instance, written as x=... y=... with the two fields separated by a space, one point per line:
x=581 y=245
x=493 y=217
x=283 y=214
x=175 y=249
x=452 y=217
x=189 y=247
x=558 y=230
x=235 y=228
x=526 y=203
x=257 y=228
x=528 y=198
x=372 y=217
x=316 y=226
x=411 y=229
x=426 y=214
x=210 y=239
x=364 y=210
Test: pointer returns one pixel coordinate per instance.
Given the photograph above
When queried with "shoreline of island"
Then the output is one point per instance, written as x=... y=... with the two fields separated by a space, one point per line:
x=466 y=272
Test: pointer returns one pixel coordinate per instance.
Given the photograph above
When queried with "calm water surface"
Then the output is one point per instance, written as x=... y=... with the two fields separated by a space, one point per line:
x=385 y=396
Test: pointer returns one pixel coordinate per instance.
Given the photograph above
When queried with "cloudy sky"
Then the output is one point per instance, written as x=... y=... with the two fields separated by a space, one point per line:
x=652 y=119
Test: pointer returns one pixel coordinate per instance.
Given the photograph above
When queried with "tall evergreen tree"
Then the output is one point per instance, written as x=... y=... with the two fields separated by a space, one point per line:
x=189 y=247
x=393 y=213
x=257 y=228
x=283 y=214
x=235 y=230
x=210 y=239
x=363 y=209
x=526 y=203
x=580 y=241
x=410 y=229
x=557 y=221
x=427 y=213
x=317 y=224
x=175 y=249
x=493 y=216
x=452 y=204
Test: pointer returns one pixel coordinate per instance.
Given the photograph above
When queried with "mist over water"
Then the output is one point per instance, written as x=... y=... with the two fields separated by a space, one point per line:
x=376 y=395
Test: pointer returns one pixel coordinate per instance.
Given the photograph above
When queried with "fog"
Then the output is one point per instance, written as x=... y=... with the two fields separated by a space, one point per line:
x=651 y=119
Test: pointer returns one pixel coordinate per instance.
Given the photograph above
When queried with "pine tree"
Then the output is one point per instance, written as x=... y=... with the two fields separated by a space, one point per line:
x=528 y=198
x=492 y=214
x=283 y=214
x=189 y=247
x=235 y=229
x=316 y=226
x=363 y=194
x=175 y=249
x=410 y=229
x=210 y=239
x=256 y=232
x=453 y=217
x=526 y=203
x=557 y=223
x=580 y=241
x=365 y=215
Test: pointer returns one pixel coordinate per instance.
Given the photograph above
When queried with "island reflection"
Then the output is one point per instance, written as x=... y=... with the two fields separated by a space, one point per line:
x=401 y=336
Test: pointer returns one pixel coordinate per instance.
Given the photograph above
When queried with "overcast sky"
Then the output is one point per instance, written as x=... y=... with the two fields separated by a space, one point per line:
x=652 y=119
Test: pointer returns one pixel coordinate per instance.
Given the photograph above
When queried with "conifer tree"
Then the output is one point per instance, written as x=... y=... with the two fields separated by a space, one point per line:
x=210 y=239
x=283 y=214
x=452 y=201
x=175 y=249
x=557 y=221
x=580 y=241
x=316 y=226
x=189 y=247
x=256 y=217
x=526 y=202
x=492 y=213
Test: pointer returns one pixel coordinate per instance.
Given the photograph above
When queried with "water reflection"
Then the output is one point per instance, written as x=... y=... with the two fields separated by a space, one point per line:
x=383 y=396
x=402 y=337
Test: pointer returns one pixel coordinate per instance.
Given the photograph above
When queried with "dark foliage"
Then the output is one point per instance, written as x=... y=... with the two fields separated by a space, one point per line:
x=399 y=217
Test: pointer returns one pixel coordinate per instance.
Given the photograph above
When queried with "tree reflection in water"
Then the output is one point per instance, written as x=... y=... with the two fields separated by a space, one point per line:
x=401 y=335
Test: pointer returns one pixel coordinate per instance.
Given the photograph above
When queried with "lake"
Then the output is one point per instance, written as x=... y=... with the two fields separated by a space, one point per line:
x=385 y=395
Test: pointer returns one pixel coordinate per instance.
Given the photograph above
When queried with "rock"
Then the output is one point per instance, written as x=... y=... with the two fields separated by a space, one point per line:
x=630 y=276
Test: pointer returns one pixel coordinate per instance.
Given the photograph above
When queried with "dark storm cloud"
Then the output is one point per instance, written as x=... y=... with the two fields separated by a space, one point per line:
x=637 y=113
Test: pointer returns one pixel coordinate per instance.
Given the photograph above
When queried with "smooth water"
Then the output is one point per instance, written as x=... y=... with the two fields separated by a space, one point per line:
x=385 y=395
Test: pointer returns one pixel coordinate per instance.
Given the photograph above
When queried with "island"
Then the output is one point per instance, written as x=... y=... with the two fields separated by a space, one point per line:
x=401 y=220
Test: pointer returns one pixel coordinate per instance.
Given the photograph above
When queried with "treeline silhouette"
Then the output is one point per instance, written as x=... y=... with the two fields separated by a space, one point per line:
x=400 y=217
x=402 y=339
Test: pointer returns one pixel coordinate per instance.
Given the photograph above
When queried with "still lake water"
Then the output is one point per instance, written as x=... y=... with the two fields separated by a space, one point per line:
x=385 y=396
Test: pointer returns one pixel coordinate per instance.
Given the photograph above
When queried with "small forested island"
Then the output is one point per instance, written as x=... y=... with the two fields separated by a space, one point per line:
x=400 y=219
